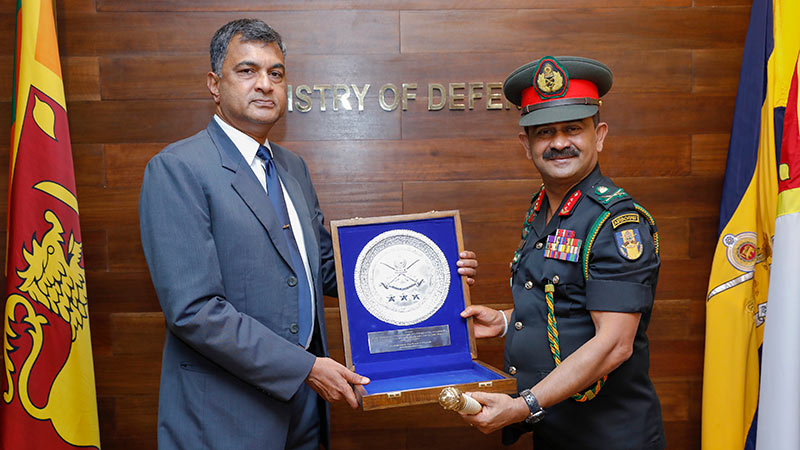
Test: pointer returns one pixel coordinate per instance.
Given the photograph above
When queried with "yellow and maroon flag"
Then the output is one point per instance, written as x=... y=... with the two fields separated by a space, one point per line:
x=48 y=392
x=736 y=306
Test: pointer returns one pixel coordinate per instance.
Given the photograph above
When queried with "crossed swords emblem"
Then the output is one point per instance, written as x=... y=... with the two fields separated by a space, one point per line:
x=402 y=280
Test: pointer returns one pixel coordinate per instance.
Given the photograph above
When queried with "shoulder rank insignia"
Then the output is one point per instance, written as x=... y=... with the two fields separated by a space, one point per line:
x=563 y=246
x=622 y=219
x=551 y=80
x=607 y=197
x=629 y=243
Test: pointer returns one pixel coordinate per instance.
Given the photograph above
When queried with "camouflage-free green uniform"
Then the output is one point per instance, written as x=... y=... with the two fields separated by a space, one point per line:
x=598 y=253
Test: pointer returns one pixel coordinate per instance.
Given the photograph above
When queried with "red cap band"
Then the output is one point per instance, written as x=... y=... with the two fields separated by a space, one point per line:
x=577 y=89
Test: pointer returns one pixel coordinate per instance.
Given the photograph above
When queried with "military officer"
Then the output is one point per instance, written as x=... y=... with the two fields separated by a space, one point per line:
x=582 y=278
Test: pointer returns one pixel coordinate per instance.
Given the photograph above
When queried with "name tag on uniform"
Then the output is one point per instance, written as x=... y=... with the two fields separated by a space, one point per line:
x=563 y=245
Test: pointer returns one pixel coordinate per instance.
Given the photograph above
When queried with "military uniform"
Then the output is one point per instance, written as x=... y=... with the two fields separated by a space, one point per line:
x=625 y=414
x=599 y=252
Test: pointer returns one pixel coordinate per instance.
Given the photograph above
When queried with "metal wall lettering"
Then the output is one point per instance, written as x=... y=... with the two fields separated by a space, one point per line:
x=456 y=96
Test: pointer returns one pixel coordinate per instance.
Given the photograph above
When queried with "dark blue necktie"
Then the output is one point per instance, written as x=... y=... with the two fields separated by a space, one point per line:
x=275 y=194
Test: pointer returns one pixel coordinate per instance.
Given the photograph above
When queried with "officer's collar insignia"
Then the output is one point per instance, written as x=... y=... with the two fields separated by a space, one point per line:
x=550 y=80
x=570 y=204
x=600 y=190
x=629 y=243
x=563 y=245
x=538 y=204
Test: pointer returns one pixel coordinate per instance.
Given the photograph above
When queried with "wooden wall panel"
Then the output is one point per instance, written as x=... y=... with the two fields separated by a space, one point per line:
x=135 y=81
x=8 y=20
x=527 y=29
x=709 y=153
x=81 y=78
x=309 y=32
x=5 y=116
x=284 y=5
x=716 y=70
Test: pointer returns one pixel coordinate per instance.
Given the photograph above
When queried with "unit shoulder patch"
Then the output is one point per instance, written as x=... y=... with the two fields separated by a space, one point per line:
x=629 y=243
x=622 y=219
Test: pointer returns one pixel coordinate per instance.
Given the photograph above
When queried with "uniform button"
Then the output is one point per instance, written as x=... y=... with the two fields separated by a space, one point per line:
x=518 y=326
x=512 y=370
x=529 y=284
x=291 y=281
x=294 y=328
x=555 y=279
x=539 y=246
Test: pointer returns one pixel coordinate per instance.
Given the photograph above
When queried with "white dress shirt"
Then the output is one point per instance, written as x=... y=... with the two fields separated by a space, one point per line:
x=248 y=147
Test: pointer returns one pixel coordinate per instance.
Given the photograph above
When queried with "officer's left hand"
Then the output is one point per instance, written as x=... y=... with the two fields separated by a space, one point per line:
x=468 y=266
x=498 y=411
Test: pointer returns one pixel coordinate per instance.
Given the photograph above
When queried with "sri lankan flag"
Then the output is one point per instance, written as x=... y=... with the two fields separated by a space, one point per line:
x=48 y=394
x=736 y=304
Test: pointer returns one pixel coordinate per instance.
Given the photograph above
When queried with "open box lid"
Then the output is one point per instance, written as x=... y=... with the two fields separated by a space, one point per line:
x=400 y=294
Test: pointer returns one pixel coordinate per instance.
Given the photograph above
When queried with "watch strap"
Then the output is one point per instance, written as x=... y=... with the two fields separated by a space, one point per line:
x=536 y=411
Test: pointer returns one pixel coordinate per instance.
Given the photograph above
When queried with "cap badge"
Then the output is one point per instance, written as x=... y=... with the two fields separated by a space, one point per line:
x=550 y=80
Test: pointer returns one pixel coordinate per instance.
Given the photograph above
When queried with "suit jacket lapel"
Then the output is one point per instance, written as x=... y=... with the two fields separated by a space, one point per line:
x=249 y=189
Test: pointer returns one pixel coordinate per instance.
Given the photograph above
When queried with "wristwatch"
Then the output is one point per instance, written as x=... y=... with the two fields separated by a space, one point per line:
x=537 y=412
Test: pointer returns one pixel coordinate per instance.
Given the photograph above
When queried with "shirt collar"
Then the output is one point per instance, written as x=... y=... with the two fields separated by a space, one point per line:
x=246 y=145
x=590 y=180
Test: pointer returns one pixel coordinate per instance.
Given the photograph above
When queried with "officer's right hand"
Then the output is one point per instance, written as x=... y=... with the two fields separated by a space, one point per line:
x=332 y=380
x=488 y=322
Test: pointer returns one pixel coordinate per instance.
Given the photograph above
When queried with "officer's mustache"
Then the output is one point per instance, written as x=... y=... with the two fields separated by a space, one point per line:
x=551 y=153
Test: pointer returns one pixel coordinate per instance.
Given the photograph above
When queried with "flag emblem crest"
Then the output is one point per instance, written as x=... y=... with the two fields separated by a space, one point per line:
x=742 y=252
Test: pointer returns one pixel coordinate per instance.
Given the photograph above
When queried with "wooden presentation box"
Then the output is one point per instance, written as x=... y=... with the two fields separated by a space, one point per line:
x=400 y=299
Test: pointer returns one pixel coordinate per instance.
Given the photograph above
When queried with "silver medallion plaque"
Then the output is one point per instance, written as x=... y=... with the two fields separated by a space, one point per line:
x=402 y=277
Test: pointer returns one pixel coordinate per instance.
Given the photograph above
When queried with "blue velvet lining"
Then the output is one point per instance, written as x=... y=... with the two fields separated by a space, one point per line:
x=471 y=374
x=409 y=369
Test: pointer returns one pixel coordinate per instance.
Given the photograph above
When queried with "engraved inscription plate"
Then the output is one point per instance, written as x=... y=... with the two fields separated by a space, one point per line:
x=402 y=277
x=408 y=339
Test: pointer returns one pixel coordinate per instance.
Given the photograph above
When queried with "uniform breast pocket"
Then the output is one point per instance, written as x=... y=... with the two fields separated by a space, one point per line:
x=570 y=300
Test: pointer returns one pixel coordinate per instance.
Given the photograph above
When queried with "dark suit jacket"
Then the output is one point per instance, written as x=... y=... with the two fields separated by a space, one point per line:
x=221 y=268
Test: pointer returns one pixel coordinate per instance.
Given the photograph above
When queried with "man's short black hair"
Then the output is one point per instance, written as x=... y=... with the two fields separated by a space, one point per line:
x=248 y=30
